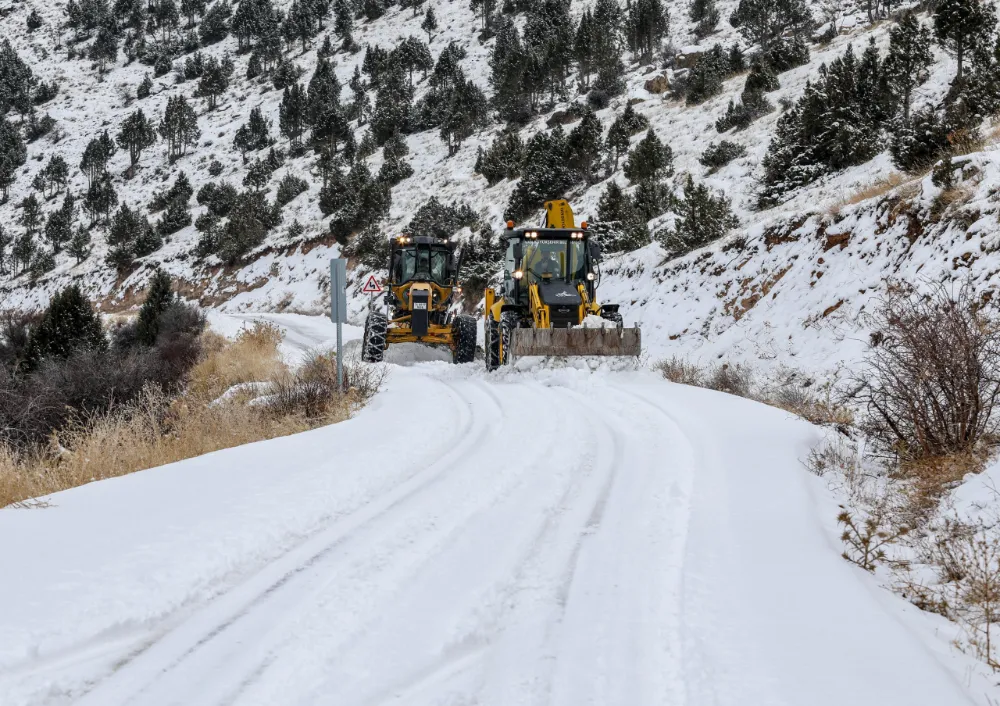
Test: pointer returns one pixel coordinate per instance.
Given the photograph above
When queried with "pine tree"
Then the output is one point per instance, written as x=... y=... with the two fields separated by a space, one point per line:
x=175 y=217
x=323 y=94
x=192 y=8
x=705 y=15
x=962 y=25
x=508 y=64
x=79 y=245
x=215 y=80
x=31 y=213
x=166 y=17
x=56 y=173
x=101 y=199
x=466 y=112
x=619 y=136
x=23 y=252
x=6 y=239
x=648 y=23
x=292 y=114
x=299 y=24
x=136 y=135
x=650 y=161
x=59 y=226
x=343 y=25
x=585 y=144
x=429 y=24
x=412 y=54
x=704 y=218
x=159 y=298
x=548 y=176
x=503 y=158
x=16 y=81
x=765 y=22
x=69 y=324
x=254 y=134
x=705 y=80
x=620 y=225
x=145 y=88
x=13 y=155
x=179 y=126
x=104 y=50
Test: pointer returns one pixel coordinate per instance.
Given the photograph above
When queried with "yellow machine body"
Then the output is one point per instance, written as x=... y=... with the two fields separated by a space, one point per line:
x=537 y=314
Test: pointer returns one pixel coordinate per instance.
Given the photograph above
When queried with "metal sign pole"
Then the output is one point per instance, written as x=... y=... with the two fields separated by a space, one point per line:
x=338 y=310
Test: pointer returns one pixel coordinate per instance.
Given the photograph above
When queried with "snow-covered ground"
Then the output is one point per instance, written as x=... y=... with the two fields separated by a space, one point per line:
x=535 y=537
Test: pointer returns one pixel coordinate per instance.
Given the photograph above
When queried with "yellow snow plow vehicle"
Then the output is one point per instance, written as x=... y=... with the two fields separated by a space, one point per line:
x=422 y=284
x=547 y=304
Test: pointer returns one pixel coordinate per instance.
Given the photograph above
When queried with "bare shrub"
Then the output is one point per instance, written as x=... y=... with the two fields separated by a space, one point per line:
x=737 y=379
x=681 y=371
x=252 y=357
x=932 y=375
x=312 y=390
x=966 y=558
x=155 y=428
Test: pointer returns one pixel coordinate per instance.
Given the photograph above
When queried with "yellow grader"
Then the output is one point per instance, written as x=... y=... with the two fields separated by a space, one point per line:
x=549 y=290
x=422 y=284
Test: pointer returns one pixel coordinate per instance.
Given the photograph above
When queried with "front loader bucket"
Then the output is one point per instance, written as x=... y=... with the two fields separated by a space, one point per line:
x=576 y=342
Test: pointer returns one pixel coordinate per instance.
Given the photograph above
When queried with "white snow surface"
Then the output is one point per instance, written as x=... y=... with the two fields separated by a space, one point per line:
x=535 y=537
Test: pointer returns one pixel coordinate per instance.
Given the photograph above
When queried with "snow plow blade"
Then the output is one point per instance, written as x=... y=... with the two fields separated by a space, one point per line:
x=576 y=342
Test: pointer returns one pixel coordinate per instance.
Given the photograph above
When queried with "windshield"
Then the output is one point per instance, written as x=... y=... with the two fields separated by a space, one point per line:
x=546 y=260
x=423 y=263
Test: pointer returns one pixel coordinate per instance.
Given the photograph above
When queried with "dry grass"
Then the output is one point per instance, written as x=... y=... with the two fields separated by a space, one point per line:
x=252 y=357
x=877 y=188
x=791 y=392
x=156 y=430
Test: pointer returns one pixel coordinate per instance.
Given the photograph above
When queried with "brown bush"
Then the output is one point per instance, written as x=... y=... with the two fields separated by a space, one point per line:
x=155 y=429
x=931 y=379
x=252 y=357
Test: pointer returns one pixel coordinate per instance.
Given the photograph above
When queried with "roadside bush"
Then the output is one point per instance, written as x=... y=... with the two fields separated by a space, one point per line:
x=931 y=379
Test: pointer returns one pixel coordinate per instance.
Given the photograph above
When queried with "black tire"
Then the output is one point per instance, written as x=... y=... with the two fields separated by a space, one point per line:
x=615 y=318
x=373 y=344
x=464 y=330
x=492 y=344
x=508 y=322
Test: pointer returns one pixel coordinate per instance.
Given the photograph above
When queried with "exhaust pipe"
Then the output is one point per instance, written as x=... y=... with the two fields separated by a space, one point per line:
x=568 y=342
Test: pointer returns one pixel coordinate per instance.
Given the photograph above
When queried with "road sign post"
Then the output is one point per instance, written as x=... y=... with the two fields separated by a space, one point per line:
x=338 y=310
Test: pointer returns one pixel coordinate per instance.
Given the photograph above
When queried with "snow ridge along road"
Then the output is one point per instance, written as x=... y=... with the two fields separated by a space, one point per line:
x=550 y=537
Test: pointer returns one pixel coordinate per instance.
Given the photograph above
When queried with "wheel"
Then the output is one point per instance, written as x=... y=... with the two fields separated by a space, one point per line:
x=508 y=322
x=463 y=332
x=615 y=318
x=492 y=344
x=373 y=344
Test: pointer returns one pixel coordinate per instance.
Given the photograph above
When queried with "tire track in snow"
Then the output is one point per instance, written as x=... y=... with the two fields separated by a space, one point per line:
x=186 y=634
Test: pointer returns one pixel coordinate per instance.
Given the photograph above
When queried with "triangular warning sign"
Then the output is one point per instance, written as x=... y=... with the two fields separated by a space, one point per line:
x=372 y=286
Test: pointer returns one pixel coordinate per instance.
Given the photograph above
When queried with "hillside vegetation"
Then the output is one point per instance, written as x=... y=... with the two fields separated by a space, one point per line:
x=241 y=145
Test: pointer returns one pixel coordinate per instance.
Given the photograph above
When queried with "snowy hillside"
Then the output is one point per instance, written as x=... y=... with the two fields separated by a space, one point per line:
x=795 y=301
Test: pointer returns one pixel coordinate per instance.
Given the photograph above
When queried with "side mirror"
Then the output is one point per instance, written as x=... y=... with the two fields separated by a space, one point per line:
x=518 y=252
x=595 y=251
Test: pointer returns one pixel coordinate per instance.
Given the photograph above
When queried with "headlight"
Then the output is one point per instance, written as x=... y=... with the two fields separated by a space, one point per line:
x=531 y=234
x=578 y=236
x=457 y=290
x=591 y=276
x=517 y=274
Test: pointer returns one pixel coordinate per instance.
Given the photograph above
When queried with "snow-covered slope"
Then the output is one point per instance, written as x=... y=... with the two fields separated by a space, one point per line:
x=685 y=308
x=493 y=553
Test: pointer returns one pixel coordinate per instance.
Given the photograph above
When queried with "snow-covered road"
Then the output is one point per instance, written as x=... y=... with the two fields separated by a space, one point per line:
x=545 y=537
